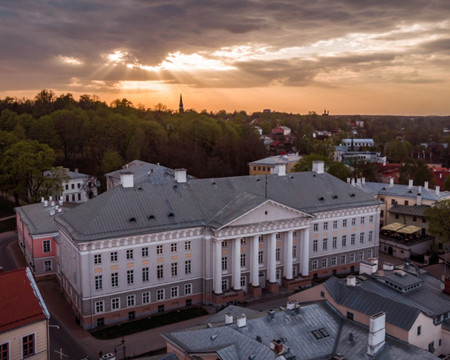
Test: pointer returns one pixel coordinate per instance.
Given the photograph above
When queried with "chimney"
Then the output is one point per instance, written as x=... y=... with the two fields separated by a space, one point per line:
x=410 y=184
x=127 y=179
x=279 y=169
x=52 y=203
x=228 y=318
x=45 y=203
x=291 y=305
x=425 y=185
x=351 y=280
x=271 y=314
x=367 y=267
x=349 y=180
x=358 y=182
x=353 y=182
x=419 y=189
x=419 y=199
x=180 y=175
x=363 y=180
x=42 y=199
x=391 y=182
x=241 y=320
x=377 y=333
x=437 y=190
x=318 y=167
x=50 y=198
x=277 y=346
x=76 y=170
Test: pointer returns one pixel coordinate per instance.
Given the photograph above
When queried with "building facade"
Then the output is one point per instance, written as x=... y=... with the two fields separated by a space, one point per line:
x=270 y=164
x=140 y=249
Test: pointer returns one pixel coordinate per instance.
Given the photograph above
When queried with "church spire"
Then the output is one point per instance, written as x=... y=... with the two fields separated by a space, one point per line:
x=181 y=109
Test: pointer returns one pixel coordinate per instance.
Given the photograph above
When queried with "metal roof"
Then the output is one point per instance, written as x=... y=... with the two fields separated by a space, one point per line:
x=277 y=160
x=295 y=330
x=403 y=191
x=414 y=210
x=150 y=208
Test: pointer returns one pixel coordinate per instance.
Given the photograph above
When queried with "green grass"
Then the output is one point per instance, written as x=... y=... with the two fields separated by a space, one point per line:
x=151 y=322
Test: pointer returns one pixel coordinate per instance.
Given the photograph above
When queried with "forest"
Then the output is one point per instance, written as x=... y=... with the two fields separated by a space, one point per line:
x=86 y=133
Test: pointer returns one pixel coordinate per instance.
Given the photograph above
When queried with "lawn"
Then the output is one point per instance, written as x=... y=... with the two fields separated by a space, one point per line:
x=150 y=322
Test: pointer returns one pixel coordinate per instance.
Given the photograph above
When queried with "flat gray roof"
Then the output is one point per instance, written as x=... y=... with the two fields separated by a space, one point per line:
x=403 y=191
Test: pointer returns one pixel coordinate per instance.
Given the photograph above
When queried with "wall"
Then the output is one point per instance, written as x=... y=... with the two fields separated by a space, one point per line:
x=429 y=332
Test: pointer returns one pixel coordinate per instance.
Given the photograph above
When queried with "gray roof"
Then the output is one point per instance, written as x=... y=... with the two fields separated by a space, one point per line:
x=403 y=191
x=144 y=172
x=277 y=160
x=233 y=343
x=204 y=202
x=414 y=210
x=371 y=296
x=235 y=311
x=38 y=218
x=70 y=174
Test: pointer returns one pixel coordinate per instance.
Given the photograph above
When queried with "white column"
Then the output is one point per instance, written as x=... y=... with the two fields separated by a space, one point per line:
x=305 y=252
x=236 y=264
x=254 y=271
x=288 y=262
x=217 y=266
x=272 y=260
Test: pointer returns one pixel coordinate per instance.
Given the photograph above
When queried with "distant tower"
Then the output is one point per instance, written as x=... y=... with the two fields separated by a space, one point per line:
x=181 y=108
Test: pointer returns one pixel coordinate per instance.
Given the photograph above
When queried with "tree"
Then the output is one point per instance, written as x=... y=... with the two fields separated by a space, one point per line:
x=447 y=184
x=416 y=170
x=22 y=167
x=334 y=168
x=437 y=217
x=397 y=151
x=112 y=161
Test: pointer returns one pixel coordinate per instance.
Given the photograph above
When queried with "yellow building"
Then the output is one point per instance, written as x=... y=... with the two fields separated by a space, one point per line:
x=268 y=165
x=24 y=321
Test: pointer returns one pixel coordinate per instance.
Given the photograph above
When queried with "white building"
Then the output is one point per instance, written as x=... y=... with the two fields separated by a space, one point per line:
x=357 y=144
x=138 y=249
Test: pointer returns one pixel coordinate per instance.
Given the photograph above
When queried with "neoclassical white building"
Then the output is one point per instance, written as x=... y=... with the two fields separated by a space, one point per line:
x=143 y=248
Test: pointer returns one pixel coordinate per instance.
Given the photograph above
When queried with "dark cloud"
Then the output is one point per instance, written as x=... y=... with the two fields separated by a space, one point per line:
x=33 y=34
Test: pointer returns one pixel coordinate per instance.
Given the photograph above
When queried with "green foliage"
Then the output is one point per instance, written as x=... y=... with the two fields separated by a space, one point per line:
x=447 y=184
x=416 y=170
x=112 y=161
x=397 y=151
x=334 y=168
x=437 y=217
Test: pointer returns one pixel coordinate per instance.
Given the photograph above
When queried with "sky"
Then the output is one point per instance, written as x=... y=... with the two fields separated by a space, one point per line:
x=348 y=56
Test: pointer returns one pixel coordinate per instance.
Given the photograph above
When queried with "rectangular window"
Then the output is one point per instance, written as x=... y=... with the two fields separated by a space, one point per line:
x=315 y=245
x=352 y=257
x=371 y=218
x=325 y=244
x=160 y=294
x=324 y=262
x=314 y=264
x=242 y=260
x=260 y=257
x=243 y=281
x=99 y=307
x=131 y=300
x=294 y=251
x=335 y=224
x=146 y=297
x=369 y=254
x=224 y=263
x=174 y=291
x=159 y=271
x=334 y=261
x=225 y=243
x=114 y=279
x=145 y=274
x=362 y=219
x=79 y=197
x=115 y=303
x=325 y=226
x=79 y=186
x=187 y=267
x=73 y=186
x=261 y=239
x=224 y=285
x=145 y=252
x=343 y=259
x=370 y=235
x=277 y=254
x=334 y=242
x=353 y=221
x=344 y=240
x=4 y=351
x=316 y=227
x=159 y=249
x=46 y=246
x=361 y=255
x=277 y=235
x=174 y=268
x=28 y=345
x=392 y=201
x=349 y=315
x=114 y=256
x=361 y=238
x=160 y=308
x=130 y=277
x=67 y=186
x=406 y=202
x=187 y=289
x=97 y=259
x=173 y=247
x=47 y=267
x=187 y=245
x=129 y=254
x=344 y=223
x=243 y=241
x=98 y=282
x=352 y=239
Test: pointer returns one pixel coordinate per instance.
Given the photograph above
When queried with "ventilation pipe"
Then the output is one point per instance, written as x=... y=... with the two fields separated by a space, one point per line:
x=437 y=190
x=279 y=169
x=351 y=280
x=419 y=199
x=127 y=179
x=377 y=333
x=228 y=318
x=391 y=182
x=241 y=320
x=425 y=185
x=410 y=184
x=180 y=175
x=318 y=167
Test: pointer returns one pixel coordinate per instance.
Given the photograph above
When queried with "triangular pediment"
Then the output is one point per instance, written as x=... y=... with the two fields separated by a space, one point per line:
x=268 y=211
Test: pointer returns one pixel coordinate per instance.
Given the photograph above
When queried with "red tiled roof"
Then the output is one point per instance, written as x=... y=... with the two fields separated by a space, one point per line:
x=18 y=303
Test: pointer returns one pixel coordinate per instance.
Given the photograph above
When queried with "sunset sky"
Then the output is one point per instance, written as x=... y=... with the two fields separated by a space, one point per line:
x=349 y=57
